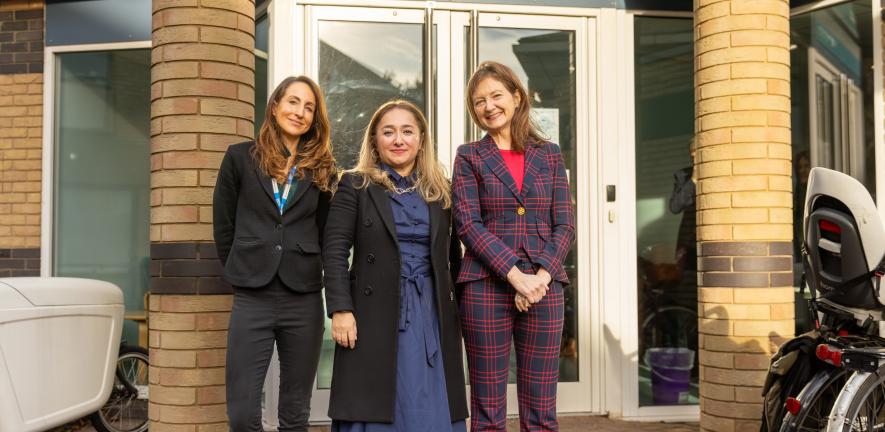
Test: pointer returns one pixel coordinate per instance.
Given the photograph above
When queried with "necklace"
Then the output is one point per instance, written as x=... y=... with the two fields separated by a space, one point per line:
x=401 y=191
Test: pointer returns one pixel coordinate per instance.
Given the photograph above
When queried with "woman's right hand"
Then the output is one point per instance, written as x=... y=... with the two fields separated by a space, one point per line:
x=344 y=329
x=530 y=286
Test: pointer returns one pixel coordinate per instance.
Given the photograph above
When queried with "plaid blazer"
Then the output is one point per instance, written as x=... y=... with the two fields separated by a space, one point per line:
x=495 y=219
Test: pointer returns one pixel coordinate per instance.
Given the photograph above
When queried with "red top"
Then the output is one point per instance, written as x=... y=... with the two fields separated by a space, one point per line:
x=515 y=162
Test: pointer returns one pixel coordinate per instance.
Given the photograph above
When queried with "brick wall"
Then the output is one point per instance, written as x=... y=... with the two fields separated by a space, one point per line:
x=188 y=340
x=21 y=111
x=21 y=37
x=742 y=64
x=202 y=95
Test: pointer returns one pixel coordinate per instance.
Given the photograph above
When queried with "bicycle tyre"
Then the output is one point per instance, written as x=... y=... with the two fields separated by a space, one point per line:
x=816 y=398
x=851 y=410
x=124 y=411
x=652 y=336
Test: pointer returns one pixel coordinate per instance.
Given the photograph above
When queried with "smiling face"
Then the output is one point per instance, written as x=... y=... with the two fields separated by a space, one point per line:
x=494 y=105
x=398 y=140
x=294 y=111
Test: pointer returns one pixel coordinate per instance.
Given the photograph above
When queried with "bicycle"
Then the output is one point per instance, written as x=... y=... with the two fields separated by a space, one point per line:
x=846 y=236
x=127 y=407
x=840 y=217
x=810 y=409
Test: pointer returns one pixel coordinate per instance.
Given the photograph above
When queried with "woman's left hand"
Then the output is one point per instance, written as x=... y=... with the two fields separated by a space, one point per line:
x=522 y=303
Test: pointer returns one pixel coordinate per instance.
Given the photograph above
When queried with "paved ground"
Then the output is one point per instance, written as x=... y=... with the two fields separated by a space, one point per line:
x=566 y=424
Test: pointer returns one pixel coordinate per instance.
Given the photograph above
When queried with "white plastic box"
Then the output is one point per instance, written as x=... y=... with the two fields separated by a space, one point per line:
x=59 y=339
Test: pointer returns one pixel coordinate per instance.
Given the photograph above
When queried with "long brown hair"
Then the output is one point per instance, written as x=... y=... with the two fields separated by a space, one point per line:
x=314 y=150
x=432 y=183
x=522 y=128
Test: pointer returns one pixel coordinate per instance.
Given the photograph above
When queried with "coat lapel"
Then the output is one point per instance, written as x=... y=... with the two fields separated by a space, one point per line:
x=264 y=181
x=533 y=163
x=490 y=154
x=300 y=189
x=435 y=218
x=382 y=203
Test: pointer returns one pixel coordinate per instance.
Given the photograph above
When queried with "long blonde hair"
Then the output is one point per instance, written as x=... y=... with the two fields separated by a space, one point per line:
x=523 y=130
x=431 y=181
x=314 y=150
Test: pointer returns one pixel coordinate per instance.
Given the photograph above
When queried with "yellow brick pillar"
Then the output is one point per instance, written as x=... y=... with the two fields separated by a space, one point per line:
x=21 y=136
x=202 y=100
x=742 y=64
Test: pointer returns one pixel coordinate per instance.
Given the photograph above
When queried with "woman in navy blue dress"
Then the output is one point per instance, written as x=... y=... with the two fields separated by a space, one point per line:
x=398 y=364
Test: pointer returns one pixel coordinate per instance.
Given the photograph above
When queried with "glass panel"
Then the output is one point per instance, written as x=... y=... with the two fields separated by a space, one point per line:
x=261 y=92
x=102 y=178
x=361 y=66
x=261 y=58
x=665 y=212
x=544 y=60
x=262 y=29
x=825 y=120
x=833 y=45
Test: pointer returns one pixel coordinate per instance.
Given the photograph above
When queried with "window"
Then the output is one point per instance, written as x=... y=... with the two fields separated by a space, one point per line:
x=101 y=188
x=665 y=212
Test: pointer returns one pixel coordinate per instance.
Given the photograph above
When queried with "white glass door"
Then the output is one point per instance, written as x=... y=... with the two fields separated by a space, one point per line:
x=364 y=56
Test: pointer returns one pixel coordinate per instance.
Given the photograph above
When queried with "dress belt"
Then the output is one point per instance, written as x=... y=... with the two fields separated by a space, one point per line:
x=431 y=345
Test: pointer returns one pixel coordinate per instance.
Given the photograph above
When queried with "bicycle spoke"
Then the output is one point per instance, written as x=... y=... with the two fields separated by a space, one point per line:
x=126 y=409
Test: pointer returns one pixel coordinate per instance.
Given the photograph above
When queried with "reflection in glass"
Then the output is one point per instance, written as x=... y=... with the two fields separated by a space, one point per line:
x=102 y=173
x=544 y=60
x=825 y=111
x=833 y=47
x=361 y=66
x=261 y=29
x=665 y=212
x=260 y=92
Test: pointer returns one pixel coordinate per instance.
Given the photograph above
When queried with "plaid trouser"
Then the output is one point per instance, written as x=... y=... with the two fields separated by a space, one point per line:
x=490 y=321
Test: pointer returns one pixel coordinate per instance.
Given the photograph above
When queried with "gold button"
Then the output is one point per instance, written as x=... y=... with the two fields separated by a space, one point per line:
x=520 y=211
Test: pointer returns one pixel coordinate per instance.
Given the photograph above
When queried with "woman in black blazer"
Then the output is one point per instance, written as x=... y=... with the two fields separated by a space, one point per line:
x=398 y=363
x=270 y=205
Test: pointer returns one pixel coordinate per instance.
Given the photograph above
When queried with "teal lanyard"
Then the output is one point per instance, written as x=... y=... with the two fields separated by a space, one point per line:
x=281 y=200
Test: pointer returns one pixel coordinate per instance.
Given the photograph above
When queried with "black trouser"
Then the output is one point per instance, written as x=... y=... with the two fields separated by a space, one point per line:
x=259 y=317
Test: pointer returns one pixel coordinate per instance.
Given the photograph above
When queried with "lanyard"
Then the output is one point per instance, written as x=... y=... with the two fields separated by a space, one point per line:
x=281 y=200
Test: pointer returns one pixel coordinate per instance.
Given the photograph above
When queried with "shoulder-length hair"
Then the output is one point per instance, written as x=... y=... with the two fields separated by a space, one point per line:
x=523 y=130
x=431 y=179
x=314 y=150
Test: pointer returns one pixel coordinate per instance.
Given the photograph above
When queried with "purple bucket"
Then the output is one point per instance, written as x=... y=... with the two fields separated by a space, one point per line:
x=670 y=374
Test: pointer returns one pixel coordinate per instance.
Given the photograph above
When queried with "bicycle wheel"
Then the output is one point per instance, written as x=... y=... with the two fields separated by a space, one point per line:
x=670 y=326
x=816 y=398
x=127 y=408
x=861 y=404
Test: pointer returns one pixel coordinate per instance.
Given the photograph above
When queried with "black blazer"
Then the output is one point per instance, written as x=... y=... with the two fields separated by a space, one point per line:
x=251 y=236
x=364 y=379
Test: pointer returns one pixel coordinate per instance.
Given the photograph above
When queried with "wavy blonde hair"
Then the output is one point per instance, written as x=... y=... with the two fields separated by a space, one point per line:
x=314 y=150
x=431 y=181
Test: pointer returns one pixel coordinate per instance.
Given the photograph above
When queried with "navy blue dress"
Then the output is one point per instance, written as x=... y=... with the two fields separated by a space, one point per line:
x=421 y=399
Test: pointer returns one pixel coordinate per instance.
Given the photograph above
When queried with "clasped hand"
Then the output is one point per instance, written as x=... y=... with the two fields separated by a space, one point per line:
x=532 y=287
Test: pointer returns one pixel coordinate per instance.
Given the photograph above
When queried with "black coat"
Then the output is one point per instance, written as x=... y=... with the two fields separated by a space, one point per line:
x=252 y=237
x=364 y=379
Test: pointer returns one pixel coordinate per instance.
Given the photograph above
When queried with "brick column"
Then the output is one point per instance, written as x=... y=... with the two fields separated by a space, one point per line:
x=742 y=64
x=202 y=93
x=21 y=121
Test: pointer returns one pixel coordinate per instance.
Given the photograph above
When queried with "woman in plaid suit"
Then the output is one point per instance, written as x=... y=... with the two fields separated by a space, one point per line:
x=512 y=210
